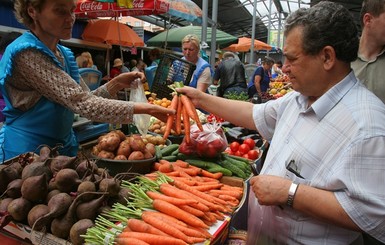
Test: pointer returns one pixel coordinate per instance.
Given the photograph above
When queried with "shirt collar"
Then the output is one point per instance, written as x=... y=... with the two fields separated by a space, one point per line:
x=328 y=100
x=369 y=61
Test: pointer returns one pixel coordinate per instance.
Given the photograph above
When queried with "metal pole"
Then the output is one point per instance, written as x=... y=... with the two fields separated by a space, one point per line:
x=253 y=32
x=269 y=26
x=205 y=7
x=279 y=30
x=213 y=47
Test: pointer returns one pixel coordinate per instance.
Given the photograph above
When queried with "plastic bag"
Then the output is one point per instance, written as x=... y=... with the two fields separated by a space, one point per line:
x=141 y=121
x=207 y=143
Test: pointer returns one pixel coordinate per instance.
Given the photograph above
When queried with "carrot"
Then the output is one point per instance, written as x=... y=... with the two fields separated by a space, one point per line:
x=165 y=227
x=191 y=210
x=178 y=120
x=206 y=173
x=166 y=168
x=183 y=174
x=130 y=241
x=191 y=110
x=170 y=118
x=181 y=164
x=235 y=194
x=141 y=226
x=176 y=201
x=208 y=187
x=173 y=174
x=188 y=230
x=187 y=180
x=189 y=171
x=151 y=238
x=175 y=192
x=208 y=179
x=163 y=161
x=165 y=217
x=186 y=122
x=178 y=213
x=232 y=188
x=157 y=166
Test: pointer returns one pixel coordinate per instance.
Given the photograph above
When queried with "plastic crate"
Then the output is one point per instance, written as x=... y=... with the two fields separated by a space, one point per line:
x=171 y=69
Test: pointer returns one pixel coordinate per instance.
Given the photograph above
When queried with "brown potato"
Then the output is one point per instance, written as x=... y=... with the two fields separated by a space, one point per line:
x=136 y=155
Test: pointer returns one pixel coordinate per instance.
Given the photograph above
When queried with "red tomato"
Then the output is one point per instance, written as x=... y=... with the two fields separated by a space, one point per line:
x=246 y=156
x=228 y=151
x=237 y=153
x=244 y=148
x=253 y=154
x=234 y=146
x=250 y=142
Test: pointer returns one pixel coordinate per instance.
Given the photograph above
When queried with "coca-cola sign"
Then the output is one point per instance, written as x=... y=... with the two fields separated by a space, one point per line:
x=138 y=3
x=90 y=6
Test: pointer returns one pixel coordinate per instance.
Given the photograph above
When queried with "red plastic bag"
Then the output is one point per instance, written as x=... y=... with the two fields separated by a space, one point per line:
x=207 y=143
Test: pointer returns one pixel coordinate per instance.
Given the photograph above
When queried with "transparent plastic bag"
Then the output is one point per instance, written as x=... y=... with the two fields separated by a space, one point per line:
x=141 y=121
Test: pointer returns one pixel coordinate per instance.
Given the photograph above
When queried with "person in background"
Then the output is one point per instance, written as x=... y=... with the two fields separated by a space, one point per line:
x=369 y=66
x=203 y=73
x=132 y=65
x=116 y=68
x=140 y=66
x=260 y=80
x=81 y=61
x=90 y=62
x=4 y=42
x=320 y=182
x=230 y=75
x=124 y=68
x=37 y=67
x=154 y=56
x=276 y=69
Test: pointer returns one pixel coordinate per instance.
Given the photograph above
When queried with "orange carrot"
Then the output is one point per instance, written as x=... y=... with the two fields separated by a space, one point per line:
x=208 y=179
x=165 y=217
x=181 y=163
x=176 y=201
x=191 y=210
x=208 y=187
x=178 y=120
x=165 y=227
x=186 y=122
x=170 y=118
x=206 y=173
x=173 y=174
x=141 y=226
x=189 y=171
x=130 y=241
x=191 y=110
x=175 y=192
x=163 y=161
x=187 y=180
x=166 y=168
x=235 y=194
x=178 y=213
x=151 y=238
x=156 y=166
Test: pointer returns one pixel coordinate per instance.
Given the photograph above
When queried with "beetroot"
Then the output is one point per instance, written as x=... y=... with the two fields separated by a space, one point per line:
x=19 y=208
x=37 y=168
x=60 y=162
x=89 y=210
x=78 y=229
x=35 y=188
x=14 y=188
x=35 y=213
x=67 y=180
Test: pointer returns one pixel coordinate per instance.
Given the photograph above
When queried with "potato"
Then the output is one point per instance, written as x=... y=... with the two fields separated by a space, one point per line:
x=150 y=148
x=136 y=155
x=106 y=154
x=120 y=157
x=124 y=148
x=110 y=142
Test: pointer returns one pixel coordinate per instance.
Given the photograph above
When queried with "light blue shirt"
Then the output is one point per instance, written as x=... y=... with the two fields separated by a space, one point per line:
x=338 y=144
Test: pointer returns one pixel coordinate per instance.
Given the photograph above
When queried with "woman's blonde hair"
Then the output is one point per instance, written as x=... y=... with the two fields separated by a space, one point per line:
x=81 y=61
x=88 y=56
x=194 y=39
x=21 y=10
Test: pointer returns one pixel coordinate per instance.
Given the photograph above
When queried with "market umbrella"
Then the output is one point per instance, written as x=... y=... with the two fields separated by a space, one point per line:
x=173 y=37
x=93 y=9
x=185 y=9
x=111 y=32
x=244 y=45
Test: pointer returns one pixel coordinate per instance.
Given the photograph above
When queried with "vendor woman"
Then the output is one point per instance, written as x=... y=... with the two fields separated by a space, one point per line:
x=40 y=82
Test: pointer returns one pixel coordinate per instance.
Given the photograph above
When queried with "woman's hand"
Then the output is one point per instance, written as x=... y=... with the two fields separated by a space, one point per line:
x=123 y=81
x=154 y=110
x=193 y=93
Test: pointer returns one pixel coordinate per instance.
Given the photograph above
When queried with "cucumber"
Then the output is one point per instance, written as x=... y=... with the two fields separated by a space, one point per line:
x=175 y=153
x=244 y=165
x=234 y=169
x=209 y=166
x=158 y=152
x=242 y=159
x=170 y=158
x=166 y=151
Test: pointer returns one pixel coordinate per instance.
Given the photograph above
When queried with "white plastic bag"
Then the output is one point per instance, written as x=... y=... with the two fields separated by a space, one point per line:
x=141 y=121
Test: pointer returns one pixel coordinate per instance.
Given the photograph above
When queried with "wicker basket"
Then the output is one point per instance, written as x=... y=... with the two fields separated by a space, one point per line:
x=171 y=69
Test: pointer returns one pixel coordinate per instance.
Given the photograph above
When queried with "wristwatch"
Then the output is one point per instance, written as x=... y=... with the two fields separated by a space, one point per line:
x=292 y=190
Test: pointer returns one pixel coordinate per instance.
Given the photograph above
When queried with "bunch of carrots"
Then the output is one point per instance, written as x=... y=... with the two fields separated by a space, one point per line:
x=175 y=205
x=185 y=110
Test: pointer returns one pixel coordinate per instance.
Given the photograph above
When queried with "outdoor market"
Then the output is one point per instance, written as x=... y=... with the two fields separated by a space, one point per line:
x=223 y=122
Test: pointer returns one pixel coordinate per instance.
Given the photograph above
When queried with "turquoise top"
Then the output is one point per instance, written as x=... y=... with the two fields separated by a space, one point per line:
x=46 y=122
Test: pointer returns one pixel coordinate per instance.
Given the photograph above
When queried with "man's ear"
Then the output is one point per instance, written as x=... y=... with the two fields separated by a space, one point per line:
x=329 y=57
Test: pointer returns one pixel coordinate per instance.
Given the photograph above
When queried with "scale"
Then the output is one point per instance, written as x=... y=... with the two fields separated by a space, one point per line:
x=86 y=129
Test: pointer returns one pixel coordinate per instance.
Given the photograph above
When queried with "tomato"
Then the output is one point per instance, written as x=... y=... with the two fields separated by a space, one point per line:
x=237 y=153
x=234 y=146
x=228 y=151
x=244 y=148
x=246 y=156
x=253 y=154
x=250 y=142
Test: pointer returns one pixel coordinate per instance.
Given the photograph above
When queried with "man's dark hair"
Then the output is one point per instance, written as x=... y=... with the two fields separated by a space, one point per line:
x=326 y=24
x=373 y=7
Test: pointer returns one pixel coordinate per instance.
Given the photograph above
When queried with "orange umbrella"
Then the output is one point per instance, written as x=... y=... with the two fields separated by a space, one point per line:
x=111 y=32
x=244 y=45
